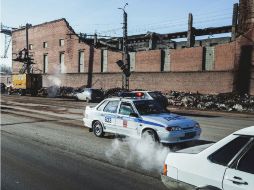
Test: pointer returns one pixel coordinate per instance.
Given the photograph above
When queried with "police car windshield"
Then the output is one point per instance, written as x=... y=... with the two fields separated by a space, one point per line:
x=147 y=107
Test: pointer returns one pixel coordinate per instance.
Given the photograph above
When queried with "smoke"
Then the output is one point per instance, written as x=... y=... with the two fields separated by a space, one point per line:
x=63 y=68
x=54 y=80
x=148 y=155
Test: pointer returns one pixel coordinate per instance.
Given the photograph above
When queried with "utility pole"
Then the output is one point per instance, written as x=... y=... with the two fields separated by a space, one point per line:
x=190 y=34
x=27 y=49
x=125 y=50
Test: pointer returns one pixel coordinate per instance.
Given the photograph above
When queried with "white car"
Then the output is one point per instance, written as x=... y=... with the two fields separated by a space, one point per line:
x=89 y=94
x=137 y=117
x=225 y=165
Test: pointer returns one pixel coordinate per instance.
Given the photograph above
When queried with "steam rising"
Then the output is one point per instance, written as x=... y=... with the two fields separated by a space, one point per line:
x=148 y=155
x=55 y=81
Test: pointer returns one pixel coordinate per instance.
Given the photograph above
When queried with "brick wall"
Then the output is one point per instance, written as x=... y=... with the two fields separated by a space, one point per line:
x=95 y=59
x=18 y=43
x=38 y=35
x=225 y=56
x=113 y=57
x=188 y=62
x=188 y=59
x=51 y=33
x=148 y=61
x=203 y=82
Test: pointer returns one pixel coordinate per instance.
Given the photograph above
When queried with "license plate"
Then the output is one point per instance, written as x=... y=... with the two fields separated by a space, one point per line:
x=188 y=135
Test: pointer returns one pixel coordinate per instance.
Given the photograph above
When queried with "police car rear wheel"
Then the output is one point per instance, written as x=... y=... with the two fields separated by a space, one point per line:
x=150 y=135
x=97 y=129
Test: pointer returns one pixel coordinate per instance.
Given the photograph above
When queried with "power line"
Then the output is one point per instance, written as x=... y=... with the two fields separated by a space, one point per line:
x=161 y=26
x=196 y=16
x=175 y=22
x=213 y=14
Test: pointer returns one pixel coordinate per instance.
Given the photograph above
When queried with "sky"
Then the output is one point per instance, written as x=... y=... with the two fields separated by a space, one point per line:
x=104 y=17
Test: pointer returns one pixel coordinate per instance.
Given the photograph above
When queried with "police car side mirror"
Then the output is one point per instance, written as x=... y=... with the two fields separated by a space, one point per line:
x=133 y=115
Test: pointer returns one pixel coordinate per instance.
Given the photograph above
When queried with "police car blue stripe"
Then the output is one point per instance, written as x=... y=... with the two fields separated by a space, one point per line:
x=151 y=123
x=143 y=121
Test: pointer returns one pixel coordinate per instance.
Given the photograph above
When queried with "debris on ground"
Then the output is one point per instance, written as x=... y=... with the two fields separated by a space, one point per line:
x=220 y=102
x=56 y=91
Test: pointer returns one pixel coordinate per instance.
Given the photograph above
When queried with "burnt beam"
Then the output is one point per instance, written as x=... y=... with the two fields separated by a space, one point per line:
x=211 y=31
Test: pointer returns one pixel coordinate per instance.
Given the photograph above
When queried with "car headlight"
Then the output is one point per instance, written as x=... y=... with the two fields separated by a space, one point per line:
x=197 y=125
x=173 y=128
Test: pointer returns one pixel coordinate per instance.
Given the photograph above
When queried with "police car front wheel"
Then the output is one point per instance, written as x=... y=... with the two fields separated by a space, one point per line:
x=97 y=129
x=150 y=135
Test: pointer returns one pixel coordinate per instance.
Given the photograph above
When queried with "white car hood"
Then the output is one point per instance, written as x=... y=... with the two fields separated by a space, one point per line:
x=169 y=119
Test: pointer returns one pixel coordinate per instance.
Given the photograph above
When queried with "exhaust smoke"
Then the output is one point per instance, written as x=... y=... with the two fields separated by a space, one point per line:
x=148 y=155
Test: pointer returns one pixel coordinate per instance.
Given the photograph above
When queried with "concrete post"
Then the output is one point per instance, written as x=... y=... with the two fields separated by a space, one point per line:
x=95 y=39
x=190 y=34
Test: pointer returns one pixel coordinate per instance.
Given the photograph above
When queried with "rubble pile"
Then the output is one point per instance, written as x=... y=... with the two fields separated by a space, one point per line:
x=56 y=91
x=67 y=92
x=42 y=92
x=221 y=102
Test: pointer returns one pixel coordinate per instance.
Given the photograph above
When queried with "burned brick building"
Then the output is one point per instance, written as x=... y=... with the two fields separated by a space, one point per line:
x=157 y=61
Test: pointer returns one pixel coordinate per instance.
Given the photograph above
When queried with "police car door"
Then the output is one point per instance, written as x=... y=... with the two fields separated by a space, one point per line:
x=108 y=116
x=126 y=124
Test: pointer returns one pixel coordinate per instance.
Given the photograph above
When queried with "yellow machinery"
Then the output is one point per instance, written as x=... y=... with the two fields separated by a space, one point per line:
x=26 y=84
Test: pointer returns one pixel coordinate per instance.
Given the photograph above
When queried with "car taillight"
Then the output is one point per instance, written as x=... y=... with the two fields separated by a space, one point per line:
x=165 y=169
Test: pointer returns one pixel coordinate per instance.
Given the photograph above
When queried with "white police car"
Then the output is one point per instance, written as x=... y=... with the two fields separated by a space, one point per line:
x=137 y=117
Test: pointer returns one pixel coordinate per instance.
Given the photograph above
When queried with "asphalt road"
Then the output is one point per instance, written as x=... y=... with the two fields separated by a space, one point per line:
x=28 y=164
x=44 y=146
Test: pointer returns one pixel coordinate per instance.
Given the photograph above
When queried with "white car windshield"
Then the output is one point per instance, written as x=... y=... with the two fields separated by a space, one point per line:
x=147 y=107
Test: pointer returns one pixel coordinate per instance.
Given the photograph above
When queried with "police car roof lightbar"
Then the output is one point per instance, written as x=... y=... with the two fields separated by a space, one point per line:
x=132 y=94
x=139 y=94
